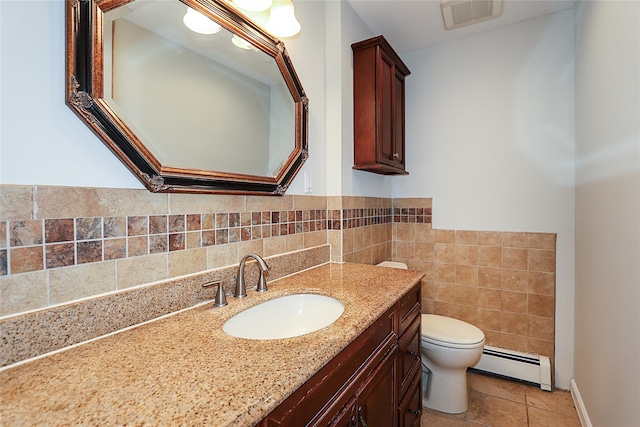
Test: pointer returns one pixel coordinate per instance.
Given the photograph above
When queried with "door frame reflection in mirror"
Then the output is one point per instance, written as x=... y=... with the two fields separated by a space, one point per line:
x=85 y=96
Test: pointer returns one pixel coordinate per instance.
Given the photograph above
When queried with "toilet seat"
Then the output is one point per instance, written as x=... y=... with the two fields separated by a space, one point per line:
x=449 y=332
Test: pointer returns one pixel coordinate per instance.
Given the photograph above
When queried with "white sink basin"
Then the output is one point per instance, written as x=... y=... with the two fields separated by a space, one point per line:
x=285 y=317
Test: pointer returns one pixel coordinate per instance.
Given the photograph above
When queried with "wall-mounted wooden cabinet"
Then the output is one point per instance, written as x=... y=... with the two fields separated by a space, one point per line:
x=378 y=103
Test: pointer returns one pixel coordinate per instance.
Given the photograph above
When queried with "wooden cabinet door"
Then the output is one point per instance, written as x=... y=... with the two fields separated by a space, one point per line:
x=376 y=406
x=386 y=107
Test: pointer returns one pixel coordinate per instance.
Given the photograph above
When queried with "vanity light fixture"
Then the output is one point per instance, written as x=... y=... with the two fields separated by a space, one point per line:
x=197 y=22
x=282 y=20
x=253 y=5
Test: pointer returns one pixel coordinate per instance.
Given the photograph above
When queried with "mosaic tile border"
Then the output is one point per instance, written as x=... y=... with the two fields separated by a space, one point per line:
x=43 y=244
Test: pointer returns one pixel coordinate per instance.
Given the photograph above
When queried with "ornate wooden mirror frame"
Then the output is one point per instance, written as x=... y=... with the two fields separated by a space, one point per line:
x=85 y=96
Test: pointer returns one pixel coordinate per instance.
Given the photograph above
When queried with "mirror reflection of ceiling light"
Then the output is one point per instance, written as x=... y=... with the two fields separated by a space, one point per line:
x=282 y=21
x=199 y=23
x=240 y=42
x=253 y=5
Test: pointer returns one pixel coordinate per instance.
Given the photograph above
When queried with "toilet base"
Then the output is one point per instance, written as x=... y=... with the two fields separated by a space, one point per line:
x=445 y=391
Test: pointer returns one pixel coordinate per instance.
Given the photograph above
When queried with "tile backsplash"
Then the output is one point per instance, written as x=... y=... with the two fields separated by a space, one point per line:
x=61 y=244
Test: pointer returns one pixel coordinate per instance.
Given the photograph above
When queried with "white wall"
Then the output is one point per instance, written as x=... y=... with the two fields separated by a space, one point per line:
x=43 y=142
x=490 y=136
x=607 y=336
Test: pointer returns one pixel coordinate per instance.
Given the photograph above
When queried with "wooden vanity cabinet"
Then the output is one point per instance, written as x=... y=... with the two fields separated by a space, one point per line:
x=362 y=385
x=378 y=103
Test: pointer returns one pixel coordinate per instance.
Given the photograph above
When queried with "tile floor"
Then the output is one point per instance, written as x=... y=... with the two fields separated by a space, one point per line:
x=497 y=402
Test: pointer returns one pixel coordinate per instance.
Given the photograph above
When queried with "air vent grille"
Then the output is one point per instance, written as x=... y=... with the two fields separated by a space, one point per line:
x=460 y=13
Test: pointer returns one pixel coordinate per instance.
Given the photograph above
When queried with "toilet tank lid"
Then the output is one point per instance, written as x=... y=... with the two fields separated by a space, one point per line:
x=450 y=330
x=393 y=264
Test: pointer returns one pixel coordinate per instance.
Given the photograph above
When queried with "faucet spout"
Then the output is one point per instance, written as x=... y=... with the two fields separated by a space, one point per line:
x=241 y=290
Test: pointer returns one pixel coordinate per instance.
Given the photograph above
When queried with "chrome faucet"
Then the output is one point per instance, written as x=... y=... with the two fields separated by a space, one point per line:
x=241 y=290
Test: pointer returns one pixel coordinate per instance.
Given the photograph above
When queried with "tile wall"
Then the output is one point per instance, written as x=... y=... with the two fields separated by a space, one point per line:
x=63 y=244
x=502 y=282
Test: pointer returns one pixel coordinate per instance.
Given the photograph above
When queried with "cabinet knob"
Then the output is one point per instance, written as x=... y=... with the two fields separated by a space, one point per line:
x=416 y=355
x=395 y=155
x=416 y=412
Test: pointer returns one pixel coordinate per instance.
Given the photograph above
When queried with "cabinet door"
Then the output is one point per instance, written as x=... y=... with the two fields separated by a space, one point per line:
x=386 y=110
x=410 y=408
x=398 y=119
x=346 y=417
x=376 y=405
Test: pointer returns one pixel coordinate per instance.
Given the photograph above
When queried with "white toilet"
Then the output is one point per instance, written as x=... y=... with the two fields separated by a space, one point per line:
x=449 y=347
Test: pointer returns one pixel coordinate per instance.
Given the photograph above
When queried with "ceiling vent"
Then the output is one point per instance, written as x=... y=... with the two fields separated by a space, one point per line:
x=460 y=13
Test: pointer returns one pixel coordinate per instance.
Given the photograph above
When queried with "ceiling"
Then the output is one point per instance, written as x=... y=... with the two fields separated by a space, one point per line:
x=415 y=24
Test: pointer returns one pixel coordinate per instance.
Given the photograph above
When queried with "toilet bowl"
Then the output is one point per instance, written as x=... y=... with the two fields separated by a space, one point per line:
x=449 y=347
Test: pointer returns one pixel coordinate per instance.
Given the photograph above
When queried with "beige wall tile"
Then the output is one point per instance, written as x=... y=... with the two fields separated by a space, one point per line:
x=542 y=260
x=445 y=272
x=490 y=298
x=515 y=342
x=445 y=236
x=75 y=202
x=541 y=328
x=490 y=256
x=489 y=277
x=541 y=305
x=514 y=258
x=412 y=203
x=515 y=280
x=72 y=283
x=536 y=346
x=16 y=202
x=445 y=292
x=347 y=241
x=187 y=261
x=465 y=237
x=489 y=319
x=466 y=275
x=265 y=203
x=542 y=240
x=425 y=233
x=405 y=231
x=334 y=202
x=515 y=240
x=315 y=238
x=275 y=246
x=424 y=251
x=301 y=202
x=466 y=254
x=514 y=323
x=514 y=302
x=445 y=252
x=204 y=203
x=358 y=239
x=467 y=295
x=334 y=238
x=225 y=255
x=23 y=292
x=141 y=270
x=294 y=242
x=250 y=247
x=541 y=283
x=405 y=250
x=490 y=238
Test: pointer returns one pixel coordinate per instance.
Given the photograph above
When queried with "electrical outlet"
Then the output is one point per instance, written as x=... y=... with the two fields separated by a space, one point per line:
x=307 y=182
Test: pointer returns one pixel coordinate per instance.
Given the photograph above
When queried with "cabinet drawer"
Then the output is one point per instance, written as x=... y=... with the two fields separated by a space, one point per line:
x=410 y=407
x=409 y=308
x=409 y=355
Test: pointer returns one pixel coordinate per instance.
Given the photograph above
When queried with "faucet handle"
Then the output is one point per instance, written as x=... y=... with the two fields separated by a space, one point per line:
x=220 y=299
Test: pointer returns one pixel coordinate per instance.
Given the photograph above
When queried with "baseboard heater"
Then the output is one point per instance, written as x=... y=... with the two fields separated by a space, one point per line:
x=530 y=368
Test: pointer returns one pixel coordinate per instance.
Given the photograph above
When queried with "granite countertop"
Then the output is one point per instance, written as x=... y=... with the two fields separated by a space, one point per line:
x=184 y=370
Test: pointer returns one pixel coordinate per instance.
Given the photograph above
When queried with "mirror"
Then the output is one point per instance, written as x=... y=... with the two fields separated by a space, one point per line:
x=187 y=112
